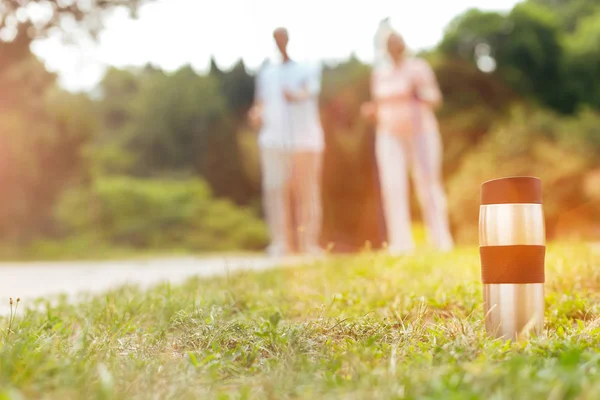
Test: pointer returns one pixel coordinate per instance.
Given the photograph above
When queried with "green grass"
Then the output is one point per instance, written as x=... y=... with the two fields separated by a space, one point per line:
x=360 y=327
x=88 y=251
x=83 y=248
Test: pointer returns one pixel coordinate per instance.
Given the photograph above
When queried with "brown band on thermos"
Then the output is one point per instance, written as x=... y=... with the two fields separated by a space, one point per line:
x=512 y=190
x=512 y=264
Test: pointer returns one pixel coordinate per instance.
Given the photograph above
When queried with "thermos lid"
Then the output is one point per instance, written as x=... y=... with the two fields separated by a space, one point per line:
x=511 y=190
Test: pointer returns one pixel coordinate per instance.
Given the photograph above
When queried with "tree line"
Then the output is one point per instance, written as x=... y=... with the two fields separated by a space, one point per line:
x=522 y=94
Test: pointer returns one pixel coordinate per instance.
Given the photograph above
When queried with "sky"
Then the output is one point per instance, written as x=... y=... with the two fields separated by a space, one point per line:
x=172 y=33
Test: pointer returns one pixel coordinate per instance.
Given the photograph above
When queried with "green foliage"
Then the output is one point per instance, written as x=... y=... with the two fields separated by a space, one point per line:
x=473 y=102
x=119 y=89
x=583 y=49
x=43 y=134
x=177 y=124
x=526 y=45
x=237 y=87
x=174 y=116
x=472 y=28
x=159 y=214
x=533 y=48
x=570 y=11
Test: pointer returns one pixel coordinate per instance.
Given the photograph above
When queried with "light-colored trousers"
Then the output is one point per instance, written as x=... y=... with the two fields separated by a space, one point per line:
x=292 y=175
x=422 y=154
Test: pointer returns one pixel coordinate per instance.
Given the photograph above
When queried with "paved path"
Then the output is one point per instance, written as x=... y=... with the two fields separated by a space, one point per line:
x=47 y=279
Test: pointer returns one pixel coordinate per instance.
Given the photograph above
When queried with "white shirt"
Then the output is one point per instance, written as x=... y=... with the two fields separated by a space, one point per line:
x=290 y=125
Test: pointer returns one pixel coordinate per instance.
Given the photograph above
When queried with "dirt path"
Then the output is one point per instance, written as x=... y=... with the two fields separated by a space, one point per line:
x=47 y=279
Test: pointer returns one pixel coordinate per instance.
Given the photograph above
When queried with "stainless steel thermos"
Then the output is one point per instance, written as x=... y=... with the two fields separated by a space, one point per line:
x=512 y=249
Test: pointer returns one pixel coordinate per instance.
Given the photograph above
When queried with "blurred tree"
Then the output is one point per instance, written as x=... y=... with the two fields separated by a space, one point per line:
x=473 y=102
x=570 y=11
x=583 y=60
x=214 y=69
x=535 y=50
x=34 y=19
x=351 y=198
x=44 y=131
x=237 y=86
x=472 y=28
x=173 y=118
x=43 y=134
x=179 y=124
x=529 y=144
x=118 y=89
x=523 y=48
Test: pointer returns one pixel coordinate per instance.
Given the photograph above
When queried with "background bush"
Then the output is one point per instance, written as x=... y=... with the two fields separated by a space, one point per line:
x=533 y=143
x=124 y=211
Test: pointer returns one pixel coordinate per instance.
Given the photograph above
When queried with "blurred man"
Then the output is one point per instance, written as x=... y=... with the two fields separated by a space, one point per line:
x=291 y=143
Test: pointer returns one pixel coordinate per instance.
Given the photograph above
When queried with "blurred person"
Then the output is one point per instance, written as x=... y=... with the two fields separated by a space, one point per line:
x=405 y=93
x=291 y=144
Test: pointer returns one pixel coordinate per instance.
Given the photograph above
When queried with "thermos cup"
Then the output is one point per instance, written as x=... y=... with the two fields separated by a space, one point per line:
x=512 y=249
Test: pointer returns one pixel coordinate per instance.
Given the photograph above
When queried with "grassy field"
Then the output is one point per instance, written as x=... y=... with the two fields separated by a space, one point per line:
x=360 y=327
x=88 y=252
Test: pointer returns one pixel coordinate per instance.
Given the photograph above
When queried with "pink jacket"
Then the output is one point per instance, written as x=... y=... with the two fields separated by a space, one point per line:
x=395 y=90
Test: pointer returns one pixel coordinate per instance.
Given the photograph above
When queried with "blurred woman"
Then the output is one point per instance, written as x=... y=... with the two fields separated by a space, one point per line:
x=405 y=93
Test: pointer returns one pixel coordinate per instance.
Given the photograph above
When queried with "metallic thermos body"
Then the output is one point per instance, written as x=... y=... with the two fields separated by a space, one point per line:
x=512 y=247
